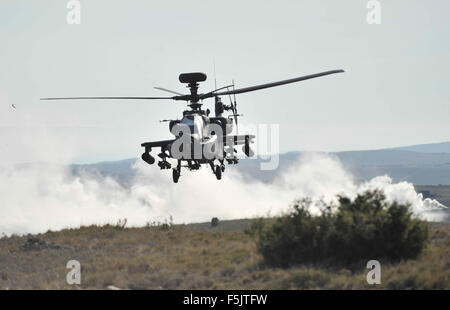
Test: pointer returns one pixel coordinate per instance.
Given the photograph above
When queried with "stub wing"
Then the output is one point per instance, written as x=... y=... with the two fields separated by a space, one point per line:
x=162 y=143
x=231 y=140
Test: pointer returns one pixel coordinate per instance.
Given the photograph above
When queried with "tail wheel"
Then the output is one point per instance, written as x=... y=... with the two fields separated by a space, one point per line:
x=218 y=172
x=175 y=175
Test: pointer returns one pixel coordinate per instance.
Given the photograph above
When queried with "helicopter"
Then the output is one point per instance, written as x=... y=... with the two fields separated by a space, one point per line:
x=201 y=139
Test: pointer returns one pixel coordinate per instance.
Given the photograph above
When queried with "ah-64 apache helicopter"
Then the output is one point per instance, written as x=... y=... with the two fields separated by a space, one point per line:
x=199 y=138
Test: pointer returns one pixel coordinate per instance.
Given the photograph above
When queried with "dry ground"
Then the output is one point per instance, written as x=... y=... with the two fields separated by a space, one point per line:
x=194 y=257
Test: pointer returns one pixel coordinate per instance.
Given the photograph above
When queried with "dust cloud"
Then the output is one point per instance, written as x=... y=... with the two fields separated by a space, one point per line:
x=37 y=197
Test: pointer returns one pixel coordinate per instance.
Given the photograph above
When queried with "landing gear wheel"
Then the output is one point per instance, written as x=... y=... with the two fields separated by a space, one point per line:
x=218 y=172
x=222 y=167
x=175 y=175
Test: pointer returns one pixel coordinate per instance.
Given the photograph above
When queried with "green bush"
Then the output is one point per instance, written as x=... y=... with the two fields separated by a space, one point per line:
x=364 y=228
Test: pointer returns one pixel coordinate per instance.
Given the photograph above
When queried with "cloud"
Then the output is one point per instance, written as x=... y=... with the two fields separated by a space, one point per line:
x=35 y=198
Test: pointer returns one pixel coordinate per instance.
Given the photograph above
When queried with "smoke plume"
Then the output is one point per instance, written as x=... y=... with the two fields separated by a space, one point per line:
x=36 y=198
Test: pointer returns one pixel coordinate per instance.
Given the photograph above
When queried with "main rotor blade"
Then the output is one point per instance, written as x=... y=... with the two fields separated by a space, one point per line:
x=139 y=98
x=267 y=85
x=168 y=90
x=213 y=92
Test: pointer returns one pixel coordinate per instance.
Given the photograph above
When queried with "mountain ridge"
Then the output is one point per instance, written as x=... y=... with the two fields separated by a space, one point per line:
x=420 y=168
x=438 y=147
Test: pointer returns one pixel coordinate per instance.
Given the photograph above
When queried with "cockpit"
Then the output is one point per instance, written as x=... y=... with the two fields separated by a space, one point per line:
x=195 y=123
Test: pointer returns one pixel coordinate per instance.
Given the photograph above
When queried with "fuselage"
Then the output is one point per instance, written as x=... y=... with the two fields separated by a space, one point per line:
x=205 y=134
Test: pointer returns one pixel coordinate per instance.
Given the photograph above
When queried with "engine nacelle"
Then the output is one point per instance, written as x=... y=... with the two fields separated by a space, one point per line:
x=218 y=108
x=173 y=123
x=227 y=126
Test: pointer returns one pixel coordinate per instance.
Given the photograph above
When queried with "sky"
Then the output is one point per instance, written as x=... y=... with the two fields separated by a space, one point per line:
x=394 y=91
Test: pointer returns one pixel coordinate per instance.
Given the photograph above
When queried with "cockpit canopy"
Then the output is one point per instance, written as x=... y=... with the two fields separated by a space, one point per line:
x=196 y=124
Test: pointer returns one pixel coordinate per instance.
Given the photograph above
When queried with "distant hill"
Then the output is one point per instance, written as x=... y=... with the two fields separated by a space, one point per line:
x=420 y=168
x=414 y=167
x=443 y=147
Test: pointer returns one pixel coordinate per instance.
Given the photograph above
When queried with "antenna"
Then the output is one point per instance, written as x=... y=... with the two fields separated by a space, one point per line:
x=215 y=81
x=235 y=110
